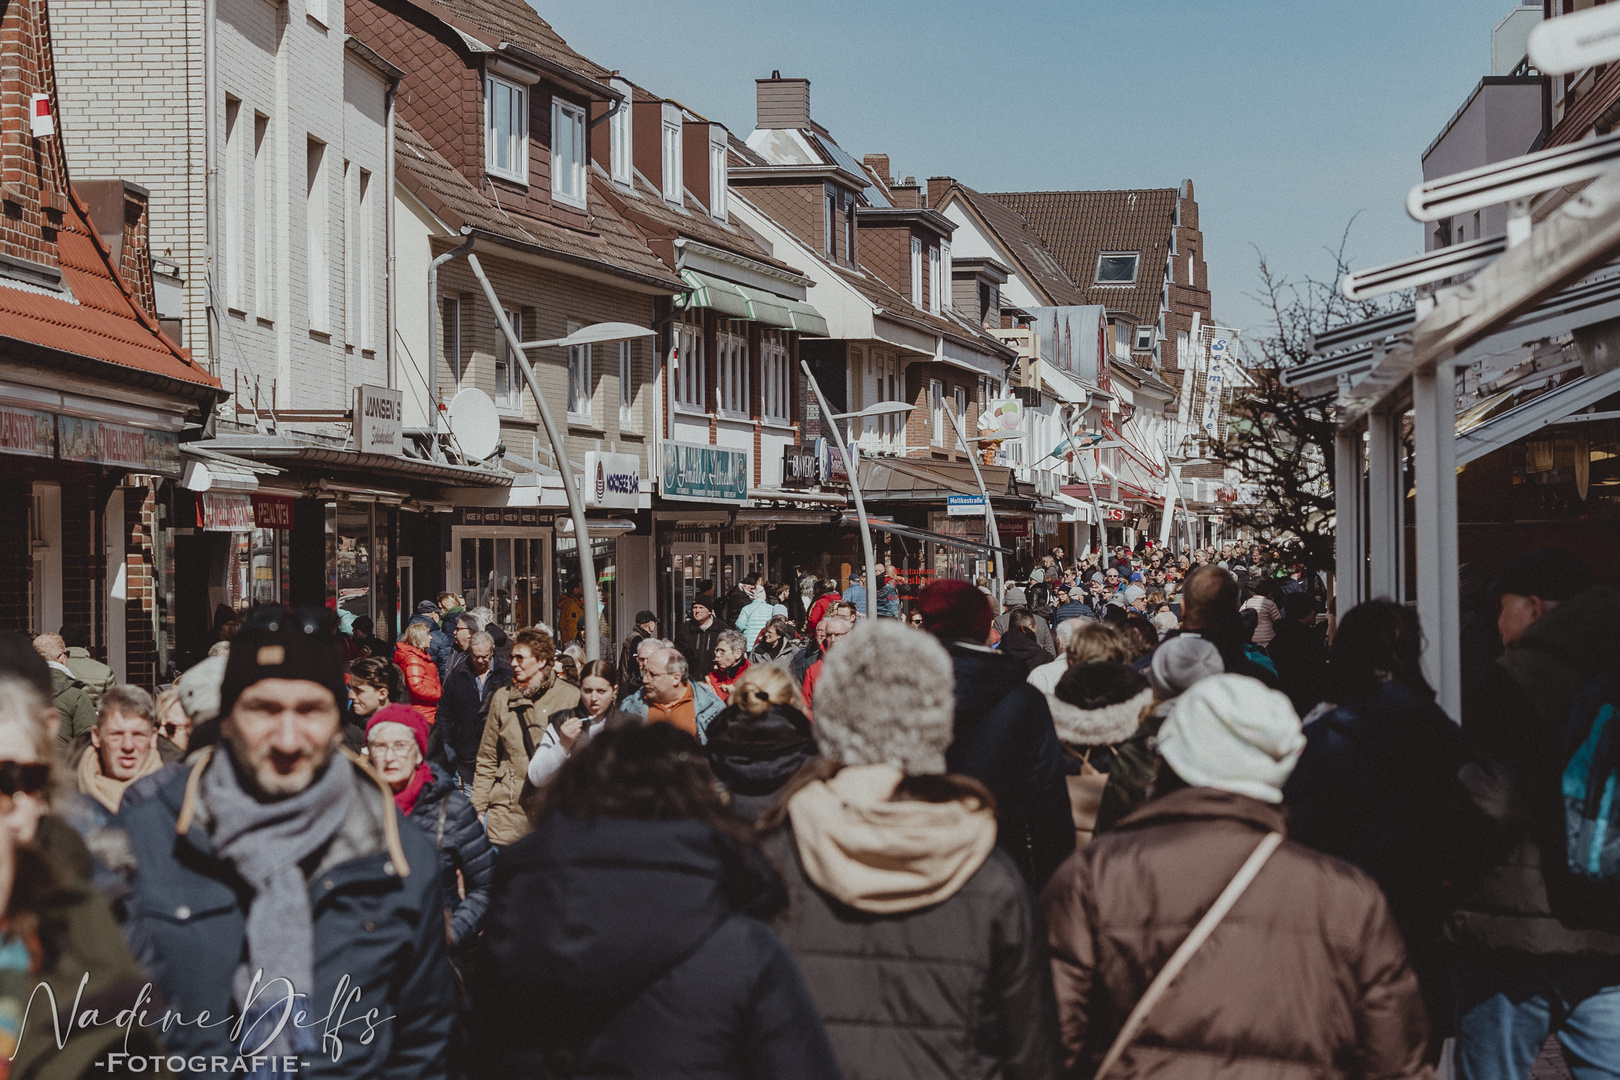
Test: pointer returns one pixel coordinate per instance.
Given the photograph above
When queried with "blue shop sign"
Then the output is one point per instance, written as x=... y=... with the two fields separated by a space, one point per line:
x=703 y=473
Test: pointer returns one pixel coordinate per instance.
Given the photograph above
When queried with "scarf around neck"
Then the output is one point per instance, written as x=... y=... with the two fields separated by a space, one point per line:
x=405 y=798
x=266 y=842
x=103 y=788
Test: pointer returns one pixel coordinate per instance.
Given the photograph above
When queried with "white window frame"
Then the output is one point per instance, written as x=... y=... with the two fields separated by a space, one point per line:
x=235 y=208
x=317 y=225
x=936 y=412
x=620 y=146
x=775 y=377
x=690 y=383
x=516 y=139
x=450 y=336
x=916 y=272
x=719 y=181
x=581 y=381
x=959 y=398
x=674 y=181
x=946 y=302
x=731 y=370
x=510 y=398
x=1136 y=268
x=1144 y=337
x=627 y=385
x=829 y=208
x=933 y=278
x=568 y=181
x=264 y=196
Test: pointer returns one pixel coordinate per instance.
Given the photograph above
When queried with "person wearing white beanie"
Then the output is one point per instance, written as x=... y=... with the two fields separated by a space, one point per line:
x=1233 y=733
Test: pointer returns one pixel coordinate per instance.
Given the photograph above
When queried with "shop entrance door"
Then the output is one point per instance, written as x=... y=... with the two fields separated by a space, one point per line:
x=688 y=565
x=505 y=571
x=744 y=555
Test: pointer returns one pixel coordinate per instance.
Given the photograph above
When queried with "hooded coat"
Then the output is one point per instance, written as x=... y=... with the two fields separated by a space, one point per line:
x=754 y=756
x=618 y=948
x=421 y=678
x=916 y=936
x=1306 y=977
x=449 y=818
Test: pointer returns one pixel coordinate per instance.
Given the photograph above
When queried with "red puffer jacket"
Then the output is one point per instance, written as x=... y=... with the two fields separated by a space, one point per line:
x=421 y=678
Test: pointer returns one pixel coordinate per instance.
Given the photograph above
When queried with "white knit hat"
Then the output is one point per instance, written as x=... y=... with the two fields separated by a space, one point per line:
x=887 y=695
x=1231 y=732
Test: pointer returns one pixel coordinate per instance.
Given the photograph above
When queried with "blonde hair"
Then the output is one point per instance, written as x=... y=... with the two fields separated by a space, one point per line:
x=1093 y=641
x=417 y=634
x=762 y=686
x=22 y=704
x=171 y=696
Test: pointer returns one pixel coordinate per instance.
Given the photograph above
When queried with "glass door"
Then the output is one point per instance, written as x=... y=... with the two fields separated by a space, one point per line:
x=505 y=573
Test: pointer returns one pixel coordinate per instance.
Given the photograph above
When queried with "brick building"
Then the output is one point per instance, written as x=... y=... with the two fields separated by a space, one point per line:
x=93 y=394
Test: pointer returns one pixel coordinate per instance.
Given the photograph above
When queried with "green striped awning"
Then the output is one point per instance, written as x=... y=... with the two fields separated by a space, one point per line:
x=806 y=319
x=716 y=293
x=765 y=308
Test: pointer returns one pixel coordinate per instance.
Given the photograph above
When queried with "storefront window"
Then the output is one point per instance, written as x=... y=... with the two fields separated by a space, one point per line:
x=506 y=575
x=351 y=558
x=270 y=567
x=604 y=555
x=688 y=562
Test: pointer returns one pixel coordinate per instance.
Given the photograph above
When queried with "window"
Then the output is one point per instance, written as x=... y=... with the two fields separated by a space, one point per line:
x=1122 y=339
x=506 y=129
x=1144 y=338
x=317 y=248
x=719 y=177
x=567 y=153
x=916 y=272
x=451 y=327
x=363 y=287
x=263 y=230
x=619 y=142
x=829 y=202
x=731 y=369
x=690 y=386
x=235 y=212
x=933 y=280
x=945 y=300
x=959 y=399
x=774 y=376
x=350 y=265
x=673 y=181
x=936 y=412
x=1116 y=268
x=627 y=386
x=507 y=395
x=1170 y=271
x=580 y=382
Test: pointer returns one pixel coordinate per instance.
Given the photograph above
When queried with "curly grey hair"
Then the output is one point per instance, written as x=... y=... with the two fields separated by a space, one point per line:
x=886 y=694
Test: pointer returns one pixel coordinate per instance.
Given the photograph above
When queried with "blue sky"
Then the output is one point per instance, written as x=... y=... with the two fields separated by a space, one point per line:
x=1288 y=116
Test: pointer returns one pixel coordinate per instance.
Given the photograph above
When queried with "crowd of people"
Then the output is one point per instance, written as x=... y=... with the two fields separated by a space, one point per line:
x=1130 y=814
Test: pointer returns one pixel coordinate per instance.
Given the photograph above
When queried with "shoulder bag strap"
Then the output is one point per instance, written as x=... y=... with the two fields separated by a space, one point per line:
x=1200 y=933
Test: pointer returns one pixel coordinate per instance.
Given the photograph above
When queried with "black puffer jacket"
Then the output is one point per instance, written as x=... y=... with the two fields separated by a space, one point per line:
x=449 y=818
x=618 y=948
x=753 y=756
x=1004 y=739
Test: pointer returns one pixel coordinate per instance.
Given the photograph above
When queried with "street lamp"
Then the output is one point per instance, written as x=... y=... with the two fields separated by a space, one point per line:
x=596 y=334
x=991 y=533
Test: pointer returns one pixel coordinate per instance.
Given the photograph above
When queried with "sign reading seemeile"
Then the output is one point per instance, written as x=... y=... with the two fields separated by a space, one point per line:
x=379 y=422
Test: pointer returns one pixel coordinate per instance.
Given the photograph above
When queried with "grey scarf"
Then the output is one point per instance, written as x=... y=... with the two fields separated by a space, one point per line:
x=266 y=841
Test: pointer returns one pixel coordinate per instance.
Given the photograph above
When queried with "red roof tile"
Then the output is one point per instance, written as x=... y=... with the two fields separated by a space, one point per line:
x=1024 y=245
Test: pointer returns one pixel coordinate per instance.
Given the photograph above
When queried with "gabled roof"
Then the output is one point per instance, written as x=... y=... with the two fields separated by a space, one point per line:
x=513 y=21
x=1022 y=244
x=611 y=244
x=1077 y=226
x=896 y=306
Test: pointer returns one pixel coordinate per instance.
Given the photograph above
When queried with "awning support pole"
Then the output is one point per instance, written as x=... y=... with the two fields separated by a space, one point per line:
x=1349 y=553
x=576 y=506
x=991 y=531
x=1434 y=450
x=1385 y=503
x=855 y=489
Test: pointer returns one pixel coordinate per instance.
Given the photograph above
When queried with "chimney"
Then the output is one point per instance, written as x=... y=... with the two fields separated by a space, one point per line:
x=879 y=163
x=907 y=195
x=782 y=103
x=119 y=213
x=937 y=186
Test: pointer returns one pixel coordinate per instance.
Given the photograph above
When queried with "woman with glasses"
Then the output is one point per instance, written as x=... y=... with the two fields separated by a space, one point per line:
x=519 y=714
x=396 y=740
x=173 y=725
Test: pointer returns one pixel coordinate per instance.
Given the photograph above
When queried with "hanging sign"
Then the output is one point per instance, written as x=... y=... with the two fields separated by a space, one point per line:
x=612 y=480
x=830 y=463
x=272 y=511
x=224 y=511
x=379 y=424
x=103 y=443
x=1012 y=527
x=25 y=431
x=703 y=473
x=798 y=465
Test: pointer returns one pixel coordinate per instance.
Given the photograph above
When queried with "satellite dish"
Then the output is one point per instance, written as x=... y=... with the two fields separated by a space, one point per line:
x=475 y=423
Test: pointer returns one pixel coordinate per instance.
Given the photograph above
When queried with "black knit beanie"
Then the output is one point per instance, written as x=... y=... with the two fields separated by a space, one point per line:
x=277 y=643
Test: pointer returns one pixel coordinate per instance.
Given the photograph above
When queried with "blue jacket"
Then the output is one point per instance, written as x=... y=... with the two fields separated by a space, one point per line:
x=377 y=927
x=706 y=705
x=856 y=594
x=888 y=602
x=752 y=620
x=618 y=948
x=1074 y=609
x=449 y=818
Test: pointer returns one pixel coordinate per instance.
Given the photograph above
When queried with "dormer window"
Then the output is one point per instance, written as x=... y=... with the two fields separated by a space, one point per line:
x=1144 y=338
x=719 y=178
x=506 y=129
x=945 y=300
x=567 y=153
x=829 y=205
x=672 y=160
x=916 y=272
x=933 y=280
x=1117 y=268
x=619 y=146
x=849 y=230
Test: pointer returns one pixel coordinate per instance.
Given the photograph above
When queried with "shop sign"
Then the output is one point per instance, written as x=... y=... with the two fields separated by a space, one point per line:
x=612 y=480
x=102 y=443
x=25 y=431
x=798 y=466
x=272 y=511
x=224 y=511
x=1114 y=513
x=505 y=516
x=964 y=505
x=703 y=473
x=830 y=463
x=1012 y=528
x=379 y=424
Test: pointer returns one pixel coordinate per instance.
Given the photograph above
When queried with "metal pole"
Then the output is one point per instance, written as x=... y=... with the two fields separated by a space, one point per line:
x=992 y=533
x=576 y=507
x=1172 y=488
x=855 y=489
x=433 y=343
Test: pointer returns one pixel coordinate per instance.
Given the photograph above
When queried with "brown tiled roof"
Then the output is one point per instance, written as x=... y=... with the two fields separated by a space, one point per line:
x=1079 y=225
x=900 y=309
x=646 y=207
x=516 y=22
x=611 y=243
x=1024 y=245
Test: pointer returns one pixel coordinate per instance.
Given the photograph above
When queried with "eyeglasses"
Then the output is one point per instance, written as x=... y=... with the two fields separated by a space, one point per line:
x=169 y=729
x=30 y=779
x=392 y=749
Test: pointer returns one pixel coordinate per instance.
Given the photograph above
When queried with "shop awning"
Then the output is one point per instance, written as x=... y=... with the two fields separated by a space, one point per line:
x=913 y=533
x=766 y=308
x=1533 y=415
x=716 y=293
x=806 y=319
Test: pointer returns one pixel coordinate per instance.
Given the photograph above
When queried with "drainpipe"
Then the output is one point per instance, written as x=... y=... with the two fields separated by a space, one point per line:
x=211 y=323
x=432 y=328
x=389 y=171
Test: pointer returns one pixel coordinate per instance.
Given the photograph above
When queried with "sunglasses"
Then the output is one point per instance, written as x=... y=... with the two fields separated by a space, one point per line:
x=169 y=729
x=28 y=779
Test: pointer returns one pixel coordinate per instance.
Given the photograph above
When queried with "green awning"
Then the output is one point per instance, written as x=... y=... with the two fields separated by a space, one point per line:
x=765 y=308
x=806 y=319
x=716 y=293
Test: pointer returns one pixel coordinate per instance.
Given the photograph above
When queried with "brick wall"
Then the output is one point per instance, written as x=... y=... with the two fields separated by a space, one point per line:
x=32 y=171
x=140 y=587
x=796 y=207
x=83 y=558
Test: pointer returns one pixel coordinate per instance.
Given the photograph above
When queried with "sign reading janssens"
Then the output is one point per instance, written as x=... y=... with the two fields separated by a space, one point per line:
x=703 y=473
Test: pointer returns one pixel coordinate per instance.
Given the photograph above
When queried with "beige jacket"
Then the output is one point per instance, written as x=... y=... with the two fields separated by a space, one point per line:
x=503 y=756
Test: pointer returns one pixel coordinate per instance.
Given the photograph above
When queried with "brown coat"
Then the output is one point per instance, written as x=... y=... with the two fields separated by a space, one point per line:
x=503 y=758
x=1305 y=978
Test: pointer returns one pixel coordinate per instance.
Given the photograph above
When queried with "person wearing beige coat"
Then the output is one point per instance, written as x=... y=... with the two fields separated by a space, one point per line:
x=518 y=715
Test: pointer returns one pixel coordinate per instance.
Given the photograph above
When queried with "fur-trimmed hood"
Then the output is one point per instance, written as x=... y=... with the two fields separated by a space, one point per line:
x=1099 y=704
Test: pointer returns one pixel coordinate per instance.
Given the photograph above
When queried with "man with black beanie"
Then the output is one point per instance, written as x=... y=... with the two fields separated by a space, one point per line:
x=276 y=859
